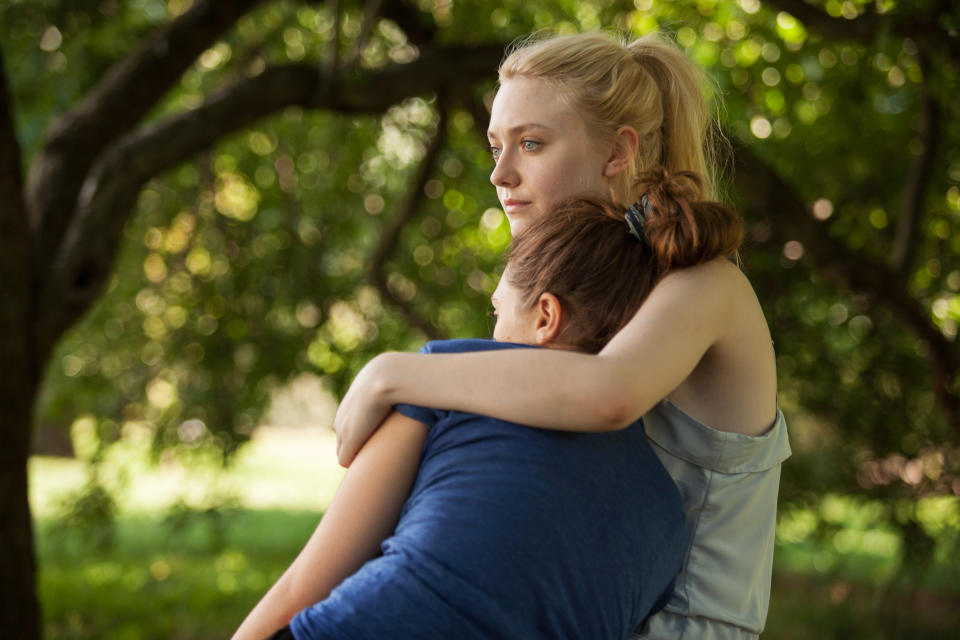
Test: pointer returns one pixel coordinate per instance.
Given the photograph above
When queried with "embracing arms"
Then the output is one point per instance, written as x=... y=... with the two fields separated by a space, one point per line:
x=362 y=514
x=687 y=313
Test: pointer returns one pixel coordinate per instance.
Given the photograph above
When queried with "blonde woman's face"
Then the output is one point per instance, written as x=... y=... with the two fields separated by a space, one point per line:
x=542 y=151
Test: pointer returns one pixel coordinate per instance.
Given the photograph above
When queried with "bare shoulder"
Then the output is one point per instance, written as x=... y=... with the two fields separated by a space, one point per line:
x=712 y=285
x=733 y=386
x=719 y=287
x=699 y=306
x=717 y=272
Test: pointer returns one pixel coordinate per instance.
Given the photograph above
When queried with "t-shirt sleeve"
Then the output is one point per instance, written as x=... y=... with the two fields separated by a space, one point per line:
x=429 y=416
x=426 y=415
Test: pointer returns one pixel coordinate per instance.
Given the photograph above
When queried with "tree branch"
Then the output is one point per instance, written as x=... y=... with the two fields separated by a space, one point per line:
x=911 y=216
x=125 y=94
x=409 y=18
x=760 y=186
x=925 y=30
x=81 y=266
x=863 y=29
x=405 y=212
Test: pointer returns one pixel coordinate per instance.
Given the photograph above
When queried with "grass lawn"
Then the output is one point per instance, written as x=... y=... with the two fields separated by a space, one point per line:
x=194 y=573
x=181 y=573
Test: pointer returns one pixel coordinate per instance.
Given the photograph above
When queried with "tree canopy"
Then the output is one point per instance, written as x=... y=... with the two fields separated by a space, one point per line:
x=204 y=199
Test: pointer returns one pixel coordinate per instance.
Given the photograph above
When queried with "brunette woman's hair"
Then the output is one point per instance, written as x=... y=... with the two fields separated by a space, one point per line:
x=583 y=253
x=648 y=83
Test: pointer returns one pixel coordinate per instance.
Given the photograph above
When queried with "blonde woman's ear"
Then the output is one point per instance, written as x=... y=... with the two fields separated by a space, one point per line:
x=623 y=152
x=549 y=320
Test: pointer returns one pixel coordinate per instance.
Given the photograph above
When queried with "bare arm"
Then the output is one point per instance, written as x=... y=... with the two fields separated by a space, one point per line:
x=362 y=514
x=683 y=317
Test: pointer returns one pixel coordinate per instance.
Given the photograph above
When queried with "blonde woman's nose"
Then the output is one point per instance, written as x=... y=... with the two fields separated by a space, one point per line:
x=504 y=174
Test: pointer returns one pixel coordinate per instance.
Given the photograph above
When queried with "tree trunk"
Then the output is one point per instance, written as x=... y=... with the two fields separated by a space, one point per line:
x=19 y=611
x=19 y=607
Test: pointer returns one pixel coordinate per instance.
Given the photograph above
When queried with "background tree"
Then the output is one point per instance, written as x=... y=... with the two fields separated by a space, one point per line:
x=203 y=199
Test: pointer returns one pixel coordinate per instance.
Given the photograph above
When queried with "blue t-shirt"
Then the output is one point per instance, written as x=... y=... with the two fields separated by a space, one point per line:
x=515 y=532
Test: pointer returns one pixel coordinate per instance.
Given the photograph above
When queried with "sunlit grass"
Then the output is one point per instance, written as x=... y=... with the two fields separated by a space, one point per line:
x=158 y=581
x=195 y=546
x=285 y=468
x=191 y=573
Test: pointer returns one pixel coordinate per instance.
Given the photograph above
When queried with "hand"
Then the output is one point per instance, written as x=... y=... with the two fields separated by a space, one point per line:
x=362 y=409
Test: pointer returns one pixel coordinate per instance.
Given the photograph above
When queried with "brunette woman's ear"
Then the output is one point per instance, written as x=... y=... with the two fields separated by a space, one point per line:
x=625 y=146
x=549 y=320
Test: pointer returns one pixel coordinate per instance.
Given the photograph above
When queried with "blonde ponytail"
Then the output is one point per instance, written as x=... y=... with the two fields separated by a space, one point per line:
x=686 y=121
x=648 y=84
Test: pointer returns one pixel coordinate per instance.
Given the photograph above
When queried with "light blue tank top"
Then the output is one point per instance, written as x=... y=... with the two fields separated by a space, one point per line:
x=729 y=484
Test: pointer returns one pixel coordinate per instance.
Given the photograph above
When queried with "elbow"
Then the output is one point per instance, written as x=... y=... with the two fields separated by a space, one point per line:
x=617 y=407
x=616 y=411
x=614 y=417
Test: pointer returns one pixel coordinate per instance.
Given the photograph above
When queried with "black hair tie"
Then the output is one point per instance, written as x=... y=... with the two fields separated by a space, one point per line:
x=636 y=217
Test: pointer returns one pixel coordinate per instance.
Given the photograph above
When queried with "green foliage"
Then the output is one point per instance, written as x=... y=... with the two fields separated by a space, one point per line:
x=186 y=588
x=249 y=264
x=90 y=513
x=898 y=543
x=175 y=586
x=206 y=561
x=183 y=518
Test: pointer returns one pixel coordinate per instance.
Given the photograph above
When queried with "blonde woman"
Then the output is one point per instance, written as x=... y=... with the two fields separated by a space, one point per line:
x=584 y=115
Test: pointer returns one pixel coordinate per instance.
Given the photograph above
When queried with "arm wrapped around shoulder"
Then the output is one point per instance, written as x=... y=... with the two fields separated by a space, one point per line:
x=581 y=251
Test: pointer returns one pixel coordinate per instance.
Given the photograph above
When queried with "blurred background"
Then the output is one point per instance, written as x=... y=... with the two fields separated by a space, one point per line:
x=215 y=213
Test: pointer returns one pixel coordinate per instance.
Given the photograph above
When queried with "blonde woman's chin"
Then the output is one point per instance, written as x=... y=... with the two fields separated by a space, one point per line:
x=520 y=218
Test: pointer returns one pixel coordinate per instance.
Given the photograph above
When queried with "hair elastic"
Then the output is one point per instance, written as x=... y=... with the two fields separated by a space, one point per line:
x=636 y=217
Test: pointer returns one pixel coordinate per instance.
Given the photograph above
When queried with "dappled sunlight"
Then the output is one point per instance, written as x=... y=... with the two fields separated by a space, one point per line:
x=288 y=467
x=282 y=467
x=236 y=198
x=242 y=293
x=855 y=536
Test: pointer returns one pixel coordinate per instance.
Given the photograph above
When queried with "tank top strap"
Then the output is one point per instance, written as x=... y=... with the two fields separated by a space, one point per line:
x=687 y=438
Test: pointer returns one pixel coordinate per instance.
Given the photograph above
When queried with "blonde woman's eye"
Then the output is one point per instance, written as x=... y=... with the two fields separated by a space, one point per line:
x=494 y=152
x=530 y=145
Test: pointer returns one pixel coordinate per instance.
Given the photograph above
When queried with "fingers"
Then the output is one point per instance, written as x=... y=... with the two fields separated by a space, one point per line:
x=346 y=450
x=344 y=456
x=360 y=413
x=353 y=439
x=346 y=460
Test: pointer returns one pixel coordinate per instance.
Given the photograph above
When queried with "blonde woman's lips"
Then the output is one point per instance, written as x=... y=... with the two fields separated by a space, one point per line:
x=514 y=206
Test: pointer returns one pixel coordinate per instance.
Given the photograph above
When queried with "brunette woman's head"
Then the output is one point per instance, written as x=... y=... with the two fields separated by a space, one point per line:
x=584 y=254
x=648 y=85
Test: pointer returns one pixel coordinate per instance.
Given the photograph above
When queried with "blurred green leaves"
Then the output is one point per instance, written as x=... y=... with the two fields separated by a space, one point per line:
x=249 y=264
